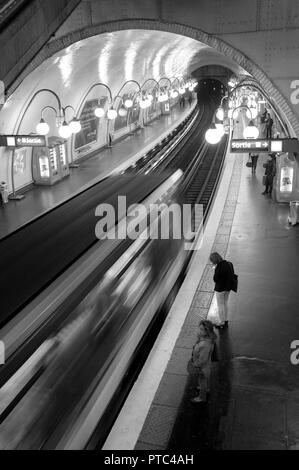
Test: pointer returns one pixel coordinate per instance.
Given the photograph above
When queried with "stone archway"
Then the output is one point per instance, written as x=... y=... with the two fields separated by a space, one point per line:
x=181 y=29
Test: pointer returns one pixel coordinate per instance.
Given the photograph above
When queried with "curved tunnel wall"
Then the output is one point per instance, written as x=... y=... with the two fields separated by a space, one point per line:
x=71 y=78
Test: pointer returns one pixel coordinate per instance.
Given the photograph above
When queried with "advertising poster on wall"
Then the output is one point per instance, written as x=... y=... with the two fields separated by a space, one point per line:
x=22 y=167
x=286 y=179
x=89 y=123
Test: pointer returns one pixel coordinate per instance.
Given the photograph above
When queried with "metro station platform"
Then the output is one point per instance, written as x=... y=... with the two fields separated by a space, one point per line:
x=123 y=153
x=254 y=399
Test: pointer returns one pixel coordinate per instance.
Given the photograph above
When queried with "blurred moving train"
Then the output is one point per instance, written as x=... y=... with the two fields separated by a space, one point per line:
x=88 y=356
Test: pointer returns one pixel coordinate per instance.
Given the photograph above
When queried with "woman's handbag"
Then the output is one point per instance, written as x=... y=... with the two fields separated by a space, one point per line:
x=234 y=279
x=249 y=164
x=235 y=283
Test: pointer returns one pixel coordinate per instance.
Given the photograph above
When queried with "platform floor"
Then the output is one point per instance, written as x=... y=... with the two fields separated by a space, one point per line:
x=254 y=400
x=40 y=199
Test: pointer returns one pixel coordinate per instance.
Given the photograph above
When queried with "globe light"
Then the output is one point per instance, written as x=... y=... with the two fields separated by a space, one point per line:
x=251 y=132
x=42 y=127
x=75 y=126
x=64 y=130
x=111 y=114
x=181 y=90
x=212 y=135
x=150 y=97
x=220 y=114
x=99 y=112
x=143 y=104
x=128 y=103
x=122 y=111
x=163 y=97
x=174 y=94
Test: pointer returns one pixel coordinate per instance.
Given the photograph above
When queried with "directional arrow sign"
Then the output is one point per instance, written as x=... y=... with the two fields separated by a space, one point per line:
x=248 y=145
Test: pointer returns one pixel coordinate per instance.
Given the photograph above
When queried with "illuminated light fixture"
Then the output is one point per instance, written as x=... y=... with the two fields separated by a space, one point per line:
x=230 y=104
x=111 y=114
x=42 y=127
x=128 y=103
x=251 y=132
x=99 y=112
x=143 y=104
x=163 y=97
x=251 y=113
x=181 y=90
x=122 y=111
x=75 y=126
x=64 y=130
x=212 y=135
x=150 y=97
x=220 y=114
x=174 y=94
x=230 y=113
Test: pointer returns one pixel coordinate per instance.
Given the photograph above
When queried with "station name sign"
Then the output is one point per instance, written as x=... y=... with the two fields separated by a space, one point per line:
x=22 y=141
x=248 y=145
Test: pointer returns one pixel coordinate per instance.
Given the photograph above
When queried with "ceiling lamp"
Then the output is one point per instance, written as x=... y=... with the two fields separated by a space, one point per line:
x=220 y=114
x=150 y=97
x=212 y=135
x=64 y=130
x=75 y=126
x=143 y=104
x=174 y=94
x=181 y=90
x=251 y=113
x=99 y=112
x=122 y=111
x=251 y=132
x=111 y=114
x=162 y=97
x=42 y=127
x=128 y=103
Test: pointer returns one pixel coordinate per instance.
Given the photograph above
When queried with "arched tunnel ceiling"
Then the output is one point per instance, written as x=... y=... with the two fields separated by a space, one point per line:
x=111 y=58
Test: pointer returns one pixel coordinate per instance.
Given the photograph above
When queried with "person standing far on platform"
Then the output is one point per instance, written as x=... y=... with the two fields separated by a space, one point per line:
x=254 y=158
x=264 y=116
x=190 y=99
x=269 y=124
x=223 y=278
x=202 y=358
x=270 y=171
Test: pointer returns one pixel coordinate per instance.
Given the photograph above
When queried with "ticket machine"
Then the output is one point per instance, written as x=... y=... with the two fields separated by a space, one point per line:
x=50 y=163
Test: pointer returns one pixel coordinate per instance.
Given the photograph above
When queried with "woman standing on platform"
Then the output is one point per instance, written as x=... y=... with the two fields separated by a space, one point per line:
x=202 y=358
x=223 y=278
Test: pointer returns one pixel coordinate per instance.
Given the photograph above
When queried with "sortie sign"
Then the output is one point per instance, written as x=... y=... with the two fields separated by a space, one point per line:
x=247 y=145
x=22 y=141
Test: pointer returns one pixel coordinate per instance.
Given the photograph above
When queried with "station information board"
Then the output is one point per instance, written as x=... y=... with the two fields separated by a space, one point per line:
x=22 y=141
x=248 y=145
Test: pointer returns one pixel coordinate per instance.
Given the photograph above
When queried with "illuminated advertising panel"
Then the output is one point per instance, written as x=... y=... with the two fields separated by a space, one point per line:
x=286 y=179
